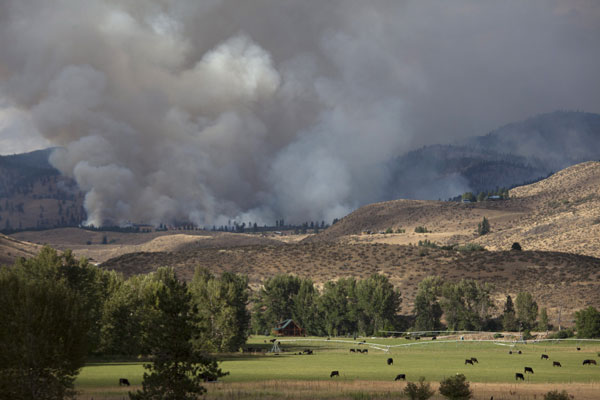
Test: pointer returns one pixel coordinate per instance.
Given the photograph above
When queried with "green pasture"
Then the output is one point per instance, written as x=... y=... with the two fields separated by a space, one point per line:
x=433 y=360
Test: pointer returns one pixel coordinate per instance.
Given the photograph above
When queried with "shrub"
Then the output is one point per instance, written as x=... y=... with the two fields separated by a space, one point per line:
x=400 y=230
x=565 y=333
x=483 y=227
x=516 y=246
x=556 y=395
x=421 y=229
x=471 y=247
x=427 y=243
x=389 y=230
x=422 y=391
x=456 y=388
x=498 y=335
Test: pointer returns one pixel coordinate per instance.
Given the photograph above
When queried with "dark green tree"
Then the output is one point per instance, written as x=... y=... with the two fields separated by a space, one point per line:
x=543 y=320
x=422 y=391
x=427 y=309
x=456 y=388
x=306 y=312
x=483 y=227
x=466 y=304
x=338 y=307
x=587 y=323
x=177 y=370
x=274 y=302
x=509 y=318
x=527 y=310
x=223 y=318
x=43 y=336
x=378 y=304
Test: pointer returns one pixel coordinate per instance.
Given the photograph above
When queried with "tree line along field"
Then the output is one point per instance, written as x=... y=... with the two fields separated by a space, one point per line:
x=253 y=372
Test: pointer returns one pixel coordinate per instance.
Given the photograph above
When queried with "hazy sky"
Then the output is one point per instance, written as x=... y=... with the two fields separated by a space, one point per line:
x=209 y=110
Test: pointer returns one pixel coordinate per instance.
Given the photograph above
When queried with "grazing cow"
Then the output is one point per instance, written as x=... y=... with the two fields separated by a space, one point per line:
x=272 y=340
x=579 y=348
x=474 y=360
x=468 y=361
x=518 y=376
x=556 y=364
x=352 y=351
x=434 y=338
x=417 y=337
x=400 y=377
x=589 y=362
x=544 y=357
x=528 y=369
x=365 y=351
x=308 y=351
x=510 y=352
x=334 y=373
x=519 y=352
x=124 y=381
x=390 y=361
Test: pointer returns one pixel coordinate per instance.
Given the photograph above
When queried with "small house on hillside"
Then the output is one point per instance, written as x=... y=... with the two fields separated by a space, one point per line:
x=288 y=328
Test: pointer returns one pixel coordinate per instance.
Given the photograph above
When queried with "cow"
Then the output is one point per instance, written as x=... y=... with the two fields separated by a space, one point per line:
x=589 y=362
x=474 y=360
x=417 y=337
x=434 y=338
x=124 y=381
x=578 y=348
x=390 y=361
x=272 y=340
x=334 y=373
x=519 y=352
x=518 y=376
x=365 y=351
x=528 y=369
x=510 y=352
x=468 y=361
x=556 y=364
x=352 y=351
x=544 y=357
x=400 y=377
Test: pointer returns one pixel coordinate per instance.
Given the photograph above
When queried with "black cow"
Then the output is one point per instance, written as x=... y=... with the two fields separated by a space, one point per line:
x=365 y=351
x=434 y=338
x=272 y=340
x=352 y=351
x=519 y=352
x=474 y=360
x=518 y=376
x=468 y=361
x=510 y=352
x=390 y=361
x=556 y=364
x=589 y=362
x=334 y=373
x=579 y=348
x=400 y=377
x=417 y=337
x=544 y=357
x=124 y=381
x=528 y=369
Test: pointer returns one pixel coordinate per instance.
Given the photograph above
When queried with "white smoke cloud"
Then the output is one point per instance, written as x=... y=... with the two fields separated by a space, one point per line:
x=205 y=111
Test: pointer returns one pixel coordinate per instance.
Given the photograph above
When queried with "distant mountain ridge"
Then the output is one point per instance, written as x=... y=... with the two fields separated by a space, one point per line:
x=514 y=154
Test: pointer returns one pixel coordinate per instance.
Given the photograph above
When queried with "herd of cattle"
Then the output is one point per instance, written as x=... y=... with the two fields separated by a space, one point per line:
x=473 y=361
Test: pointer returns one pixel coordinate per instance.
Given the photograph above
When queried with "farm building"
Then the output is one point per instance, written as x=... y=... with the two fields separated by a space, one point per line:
x=288 y=328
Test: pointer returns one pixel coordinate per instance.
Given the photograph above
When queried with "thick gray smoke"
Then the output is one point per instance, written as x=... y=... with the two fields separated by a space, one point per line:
x=204 y=111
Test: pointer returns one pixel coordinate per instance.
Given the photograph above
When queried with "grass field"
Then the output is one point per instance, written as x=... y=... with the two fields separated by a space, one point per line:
x=290 y=375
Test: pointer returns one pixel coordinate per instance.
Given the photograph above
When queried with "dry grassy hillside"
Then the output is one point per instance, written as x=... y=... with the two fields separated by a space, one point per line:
x=89 y=244
x=555 y=279
x=11 y=249
x=560 y=213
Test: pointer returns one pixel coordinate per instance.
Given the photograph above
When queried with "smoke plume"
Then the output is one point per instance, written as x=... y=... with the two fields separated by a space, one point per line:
x=205 y=111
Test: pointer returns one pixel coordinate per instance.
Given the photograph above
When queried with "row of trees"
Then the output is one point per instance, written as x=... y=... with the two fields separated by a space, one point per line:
x=344 y=307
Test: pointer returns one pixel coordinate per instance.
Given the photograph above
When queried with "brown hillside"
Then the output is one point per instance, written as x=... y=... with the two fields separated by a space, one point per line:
x=560 y=213
x=556 y=279
x=11 y=249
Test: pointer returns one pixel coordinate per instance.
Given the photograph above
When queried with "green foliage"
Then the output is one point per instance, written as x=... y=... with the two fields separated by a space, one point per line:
x=305 y=308
x=509 y=318
x=339 y=307
x=427 y=309
x=527 y=310
x=471 y=247
x=378 y=303
x=466 y=304
x=427 y=243
x=400 y=230
x=468 y=196
x=222 y=317
x=274 y=302
x=456 y=388
x=563 y=334
x=421 y=229
x=43 y=331
x=587 y=323
x=556 y=395
x=422 y=391
x=543 y=324
x=389 y=230
x=177 y=369
x=483 y=227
